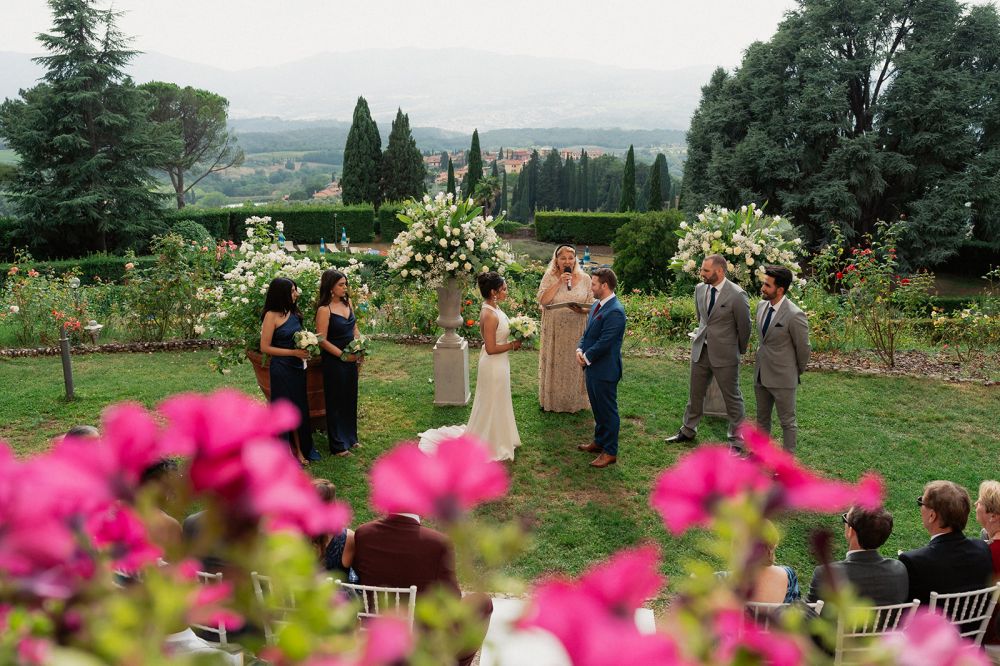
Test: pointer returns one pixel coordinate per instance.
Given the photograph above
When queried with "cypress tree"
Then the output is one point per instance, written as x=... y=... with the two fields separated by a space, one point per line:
x=655 y=189
x=583 y=188
x=443 y=164
x=493 y=170
x=572 y=195
x=503 y=191
x=451 y=177
x=627 y=201
x=362 y=173
x=475 y=162
x=533 y=167
x=547 y=197
x=402 y=165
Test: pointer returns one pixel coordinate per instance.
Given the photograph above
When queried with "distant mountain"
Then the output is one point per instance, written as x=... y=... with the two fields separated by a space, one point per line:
x=457 y=89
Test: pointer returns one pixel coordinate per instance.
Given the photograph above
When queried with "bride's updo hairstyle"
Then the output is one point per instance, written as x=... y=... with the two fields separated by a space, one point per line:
x=489 y=282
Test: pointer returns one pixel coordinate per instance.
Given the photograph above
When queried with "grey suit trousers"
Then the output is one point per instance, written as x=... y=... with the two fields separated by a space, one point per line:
x=728 y=378
x=784 y=400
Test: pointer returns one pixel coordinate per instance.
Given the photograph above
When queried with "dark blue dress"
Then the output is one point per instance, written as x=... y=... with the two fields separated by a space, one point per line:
x=288 y=380
x=340 y=385
x=333 y=557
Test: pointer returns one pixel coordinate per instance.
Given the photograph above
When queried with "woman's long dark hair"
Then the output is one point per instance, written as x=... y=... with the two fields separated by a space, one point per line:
x=279 y=298
x=327 y=282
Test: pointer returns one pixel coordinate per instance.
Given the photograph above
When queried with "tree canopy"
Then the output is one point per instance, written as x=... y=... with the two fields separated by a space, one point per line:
x=361 y=179
x=402 y=164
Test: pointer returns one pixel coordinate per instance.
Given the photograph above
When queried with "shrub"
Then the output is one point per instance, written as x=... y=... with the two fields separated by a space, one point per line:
x=38 y=303
x=388 y=225
x=655 y=318
x=308 y=224
x=214 y=220
x=580 y=228
x=94 y=269
x=643 y=247
x=190 y=230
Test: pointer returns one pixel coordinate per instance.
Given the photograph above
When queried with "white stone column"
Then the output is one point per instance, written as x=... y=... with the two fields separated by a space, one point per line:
x=451 y=353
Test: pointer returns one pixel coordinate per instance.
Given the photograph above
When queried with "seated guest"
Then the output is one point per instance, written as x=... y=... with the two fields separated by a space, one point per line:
x=950 y=562
x=83 y=432
x=397 y=551
x=880 y=580
x=163 y=529
x=988 y=515
x=775 y=584
x=335 y=551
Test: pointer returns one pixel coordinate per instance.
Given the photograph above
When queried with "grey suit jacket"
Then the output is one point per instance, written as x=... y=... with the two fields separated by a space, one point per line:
x=726 y=331
x=873 y=577
x=783 y=353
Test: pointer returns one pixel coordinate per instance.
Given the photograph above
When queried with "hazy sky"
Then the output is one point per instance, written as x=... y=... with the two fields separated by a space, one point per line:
x=234 y=34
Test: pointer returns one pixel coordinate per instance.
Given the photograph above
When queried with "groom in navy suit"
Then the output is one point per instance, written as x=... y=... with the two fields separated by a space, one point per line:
x=600 y=356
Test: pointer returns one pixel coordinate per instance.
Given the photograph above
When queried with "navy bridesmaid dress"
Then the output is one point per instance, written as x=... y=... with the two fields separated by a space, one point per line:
x=288 y=381
x=340 y=384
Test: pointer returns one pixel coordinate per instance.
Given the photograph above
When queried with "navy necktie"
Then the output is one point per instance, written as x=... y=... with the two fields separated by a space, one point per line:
x=711 y=301
x=767 y=321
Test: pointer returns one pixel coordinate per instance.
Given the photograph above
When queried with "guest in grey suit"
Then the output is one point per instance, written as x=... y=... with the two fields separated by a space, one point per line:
x=881 y=580
x=721 y=337
x=782 y=354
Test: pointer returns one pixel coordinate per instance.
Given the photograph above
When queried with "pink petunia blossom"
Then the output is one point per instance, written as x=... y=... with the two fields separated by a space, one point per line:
x=929 y=638
x=594 y=617
x=455 y=478
x=737 y=632
x=120 y=531
x=686 y=494
x=388 y=641
x=801 y=489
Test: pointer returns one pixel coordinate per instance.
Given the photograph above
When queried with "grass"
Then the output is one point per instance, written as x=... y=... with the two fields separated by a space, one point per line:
x=909 y=430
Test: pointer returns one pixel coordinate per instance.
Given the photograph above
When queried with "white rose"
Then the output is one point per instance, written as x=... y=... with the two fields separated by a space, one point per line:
x=418 y=256
x=749 y=261
x=462 y=256
x=737 y=250
x=14 y=309
x=404 y=272
x=468 y=266
x=199 y=329
x=456 y=243
x=280 y=226
x=249 y=232
x=684 y=225
x=430 y=260
x=443 y=242
x=717 y=234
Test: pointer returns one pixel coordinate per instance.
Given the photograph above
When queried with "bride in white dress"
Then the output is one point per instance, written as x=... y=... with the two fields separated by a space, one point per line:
x=492 y=418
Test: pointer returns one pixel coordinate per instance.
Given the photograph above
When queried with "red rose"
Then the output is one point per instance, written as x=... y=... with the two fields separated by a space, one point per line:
x=469 y=322
x=840 y=276
x=904 y=281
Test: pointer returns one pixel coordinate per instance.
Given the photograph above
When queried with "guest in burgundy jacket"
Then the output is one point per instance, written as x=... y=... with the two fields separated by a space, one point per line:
x=397 y=551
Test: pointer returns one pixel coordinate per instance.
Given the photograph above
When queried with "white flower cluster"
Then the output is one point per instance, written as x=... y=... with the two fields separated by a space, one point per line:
x=747 y=238
x=444 y=239
x=523 y=328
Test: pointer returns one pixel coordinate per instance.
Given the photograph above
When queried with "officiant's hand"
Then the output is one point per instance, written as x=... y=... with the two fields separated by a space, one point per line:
x=576 y=308
x=567 y=279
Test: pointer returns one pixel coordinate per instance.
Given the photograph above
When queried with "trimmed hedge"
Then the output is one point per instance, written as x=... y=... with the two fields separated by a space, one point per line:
x=509 y=227
x=388 y=224
x=108 y=268
x=580 y=228
x=215 y=220
x=303 y=223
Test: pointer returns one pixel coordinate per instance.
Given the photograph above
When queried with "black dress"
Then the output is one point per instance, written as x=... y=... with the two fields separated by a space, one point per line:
x=340 y=385
x=288 y=381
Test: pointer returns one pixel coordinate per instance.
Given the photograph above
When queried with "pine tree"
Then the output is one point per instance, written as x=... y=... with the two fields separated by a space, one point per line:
x=402 y=165
x=362 y=172
x=451 y=177
x=87 y=153
x=627 y=201
x=583 y=188
x=475 y=162
x=655 y=201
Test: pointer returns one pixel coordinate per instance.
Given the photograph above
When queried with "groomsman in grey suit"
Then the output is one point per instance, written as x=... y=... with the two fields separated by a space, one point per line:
x=782 y=354
x=721 y=337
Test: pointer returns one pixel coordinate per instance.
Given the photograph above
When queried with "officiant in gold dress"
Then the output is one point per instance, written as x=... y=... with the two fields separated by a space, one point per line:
x=561 y=385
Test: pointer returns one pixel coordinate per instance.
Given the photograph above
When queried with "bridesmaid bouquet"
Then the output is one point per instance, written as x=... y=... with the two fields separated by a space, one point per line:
x=358 y=346
x=523 y=328
x=306 y=340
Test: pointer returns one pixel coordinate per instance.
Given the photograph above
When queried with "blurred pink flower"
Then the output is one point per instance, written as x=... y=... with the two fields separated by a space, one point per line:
x=594 y=617
x=31 y=650
x=801 y=488
x=736 y=631
x=121 y=532
x=388 y=641
x=455 y=478
x=206 y=606
x=930 y=639
x=686 y=494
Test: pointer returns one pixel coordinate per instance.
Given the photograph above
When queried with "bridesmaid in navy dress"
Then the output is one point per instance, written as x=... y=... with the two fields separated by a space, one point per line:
x=336 y=327
x=279 y=323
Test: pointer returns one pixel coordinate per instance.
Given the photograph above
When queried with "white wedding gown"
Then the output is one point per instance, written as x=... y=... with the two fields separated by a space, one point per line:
x=492 y=418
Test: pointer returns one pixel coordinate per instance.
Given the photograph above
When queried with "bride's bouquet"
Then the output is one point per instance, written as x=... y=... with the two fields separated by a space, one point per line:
x=306 y=340
x=358 y=346
x=523 y=328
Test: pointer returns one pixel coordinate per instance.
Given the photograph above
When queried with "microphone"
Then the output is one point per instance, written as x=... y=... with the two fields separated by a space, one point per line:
x=568 y=269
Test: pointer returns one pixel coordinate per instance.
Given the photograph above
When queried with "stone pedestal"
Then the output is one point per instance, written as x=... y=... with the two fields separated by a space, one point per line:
x=451 y=353
x=715 y=405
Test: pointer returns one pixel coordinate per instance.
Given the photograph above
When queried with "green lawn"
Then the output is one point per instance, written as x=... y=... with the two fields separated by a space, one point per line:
x=909 y=430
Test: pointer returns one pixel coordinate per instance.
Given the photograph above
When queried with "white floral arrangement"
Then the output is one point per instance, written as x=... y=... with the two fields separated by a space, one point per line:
x=445 y=238
x=748 y=239
x=239 y=299
x=523 y=328
x=306 y=340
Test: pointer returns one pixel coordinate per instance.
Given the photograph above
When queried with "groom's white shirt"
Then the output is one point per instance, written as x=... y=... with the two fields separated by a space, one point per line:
x=602 y=303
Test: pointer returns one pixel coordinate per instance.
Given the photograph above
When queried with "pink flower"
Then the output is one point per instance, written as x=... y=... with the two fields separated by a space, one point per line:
x=455 y=478
x=686 y=494
x=388 y=641
x=594 y=618
x=930 y=639
x=206 y=606
x=120 y=531
x=32 y=650
x=735 y=632
x=801 y=489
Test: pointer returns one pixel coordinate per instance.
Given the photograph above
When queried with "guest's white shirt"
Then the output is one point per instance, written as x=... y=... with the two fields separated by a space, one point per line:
x=763 y=313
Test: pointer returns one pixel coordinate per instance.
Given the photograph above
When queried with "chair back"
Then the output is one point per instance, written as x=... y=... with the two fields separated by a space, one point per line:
x=764 y=613
x=854 y=636
x=276 y=611
x=208 y=578
x=377 y=601
x=969 y=611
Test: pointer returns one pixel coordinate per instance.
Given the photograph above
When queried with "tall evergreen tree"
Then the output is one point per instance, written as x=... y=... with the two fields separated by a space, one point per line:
x=518 y=202
x=569 y=184
x=451 y=178
x=655 y=201
x=627 y=202
x=475 y=172
x=87 y=152
x=533 y=169
x=584 y=186
x=503 y=190
x=493 y=170
x=548 y=182
x=443 y=164
x=362 y=174
x=402 y=164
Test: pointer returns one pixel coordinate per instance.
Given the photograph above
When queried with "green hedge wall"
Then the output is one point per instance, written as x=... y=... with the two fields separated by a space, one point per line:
x=389 y=225
x=215 y=220
x=108 y=268
x=581 y=228
x=303 y=223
